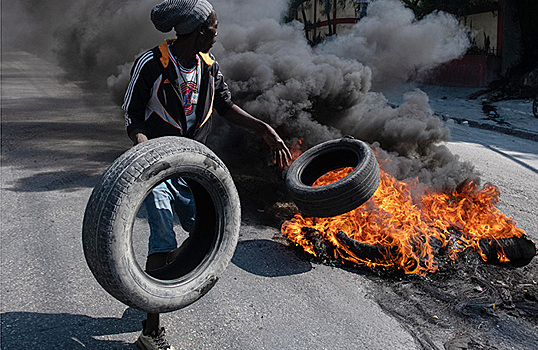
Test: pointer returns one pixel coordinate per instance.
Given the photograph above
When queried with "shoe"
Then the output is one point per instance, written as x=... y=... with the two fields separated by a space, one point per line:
x=156 y=261
x=156 y=340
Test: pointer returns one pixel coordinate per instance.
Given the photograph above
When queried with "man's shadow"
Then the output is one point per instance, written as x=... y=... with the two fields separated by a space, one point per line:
x=33 y=330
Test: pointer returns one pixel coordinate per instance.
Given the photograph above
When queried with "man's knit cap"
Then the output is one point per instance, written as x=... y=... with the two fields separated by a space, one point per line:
x=183 y=15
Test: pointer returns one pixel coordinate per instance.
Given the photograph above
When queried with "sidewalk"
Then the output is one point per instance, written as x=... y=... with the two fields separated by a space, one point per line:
x=513 y=117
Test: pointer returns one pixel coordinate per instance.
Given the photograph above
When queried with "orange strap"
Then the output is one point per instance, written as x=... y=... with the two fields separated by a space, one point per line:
x=165 y=57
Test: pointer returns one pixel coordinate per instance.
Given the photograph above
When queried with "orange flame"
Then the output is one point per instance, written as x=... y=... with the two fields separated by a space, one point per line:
x=406 y=228
x=296 y=149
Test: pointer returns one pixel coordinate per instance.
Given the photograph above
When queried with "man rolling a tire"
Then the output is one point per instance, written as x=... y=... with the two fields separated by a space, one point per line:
x=173 y=91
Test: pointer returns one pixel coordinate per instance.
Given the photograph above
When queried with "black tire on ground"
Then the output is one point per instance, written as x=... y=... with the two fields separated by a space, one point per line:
x=338 y=197
x=114 y=203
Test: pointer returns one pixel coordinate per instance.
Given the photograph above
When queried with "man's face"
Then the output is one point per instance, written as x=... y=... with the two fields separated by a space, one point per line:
x=208 y=37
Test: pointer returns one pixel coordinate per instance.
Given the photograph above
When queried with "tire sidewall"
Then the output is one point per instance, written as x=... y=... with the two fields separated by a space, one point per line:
x=125 y=278
x=340 y=196
x=297 y=168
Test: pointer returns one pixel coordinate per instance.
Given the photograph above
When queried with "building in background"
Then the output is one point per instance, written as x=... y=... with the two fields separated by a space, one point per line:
x=502 y=32
x=482 y=63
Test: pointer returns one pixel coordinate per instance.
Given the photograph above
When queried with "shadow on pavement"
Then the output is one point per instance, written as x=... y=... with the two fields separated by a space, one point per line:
x=267 y=258
x=56 y=180
x=55 y=135
x=33 y=330
x=512 y=158
x=60 y=155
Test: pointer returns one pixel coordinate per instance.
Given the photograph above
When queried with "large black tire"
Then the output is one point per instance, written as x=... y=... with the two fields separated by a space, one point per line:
x=114 y=203
x=338 y=197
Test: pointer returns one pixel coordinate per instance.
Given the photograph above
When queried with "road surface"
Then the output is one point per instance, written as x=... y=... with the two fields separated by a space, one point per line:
x=58 y=138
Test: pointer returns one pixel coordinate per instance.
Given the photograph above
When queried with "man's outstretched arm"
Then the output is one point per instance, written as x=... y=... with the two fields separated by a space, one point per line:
x=280 y=153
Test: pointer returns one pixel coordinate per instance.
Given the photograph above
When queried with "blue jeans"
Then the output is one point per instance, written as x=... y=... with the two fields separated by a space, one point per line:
x=167 y=197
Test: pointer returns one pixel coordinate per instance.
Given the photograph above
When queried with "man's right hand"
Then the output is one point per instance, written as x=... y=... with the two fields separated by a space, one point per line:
x=140 y=138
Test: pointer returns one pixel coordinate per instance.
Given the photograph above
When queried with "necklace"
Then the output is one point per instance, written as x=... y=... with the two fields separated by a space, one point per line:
x=186 y=72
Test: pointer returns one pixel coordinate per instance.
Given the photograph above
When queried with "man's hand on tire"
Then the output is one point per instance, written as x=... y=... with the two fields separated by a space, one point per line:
x=140 y=138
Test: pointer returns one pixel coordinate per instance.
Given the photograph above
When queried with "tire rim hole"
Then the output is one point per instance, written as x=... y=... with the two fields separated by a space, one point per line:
x=332 y=176
x=194 y=249
x=327 y=163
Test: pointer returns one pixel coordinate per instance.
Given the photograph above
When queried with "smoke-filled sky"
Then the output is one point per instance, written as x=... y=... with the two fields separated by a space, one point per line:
x=314 y=94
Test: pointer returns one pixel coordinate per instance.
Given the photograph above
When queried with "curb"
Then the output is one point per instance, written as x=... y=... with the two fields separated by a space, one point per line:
x=502 y=129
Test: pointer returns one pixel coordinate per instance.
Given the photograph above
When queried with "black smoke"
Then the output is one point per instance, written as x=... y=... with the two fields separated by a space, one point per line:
x=314 y=94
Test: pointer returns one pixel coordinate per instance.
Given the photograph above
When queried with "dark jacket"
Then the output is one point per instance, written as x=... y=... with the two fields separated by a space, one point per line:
x=153 y=108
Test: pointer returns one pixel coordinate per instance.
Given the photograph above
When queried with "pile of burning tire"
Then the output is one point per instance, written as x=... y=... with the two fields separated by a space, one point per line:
x=318 y=233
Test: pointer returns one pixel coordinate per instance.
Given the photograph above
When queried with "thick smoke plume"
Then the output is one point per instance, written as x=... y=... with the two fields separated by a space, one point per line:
x=89 y=39
x=397 y=46
x=314 y=94
x=324 y=93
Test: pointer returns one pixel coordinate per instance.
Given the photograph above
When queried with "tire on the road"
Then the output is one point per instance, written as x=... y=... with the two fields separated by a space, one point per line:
x=114 y=203
x=338 y=197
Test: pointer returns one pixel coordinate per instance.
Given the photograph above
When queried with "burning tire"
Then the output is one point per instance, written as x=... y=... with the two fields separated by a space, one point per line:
x=338 y=197
x=114 y=203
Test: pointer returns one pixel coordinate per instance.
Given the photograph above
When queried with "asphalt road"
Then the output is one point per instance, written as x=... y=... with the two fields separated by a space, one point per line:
x=57 y=139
